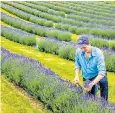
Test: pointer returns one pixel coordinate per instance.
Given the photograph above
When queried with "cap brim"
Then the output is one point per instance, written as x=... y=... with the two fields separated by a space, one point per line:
x=80 y=45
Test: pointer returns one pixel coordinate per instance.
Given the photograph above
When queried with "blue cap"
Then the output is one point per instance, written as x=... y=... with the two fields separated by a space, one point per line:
x=82 y=41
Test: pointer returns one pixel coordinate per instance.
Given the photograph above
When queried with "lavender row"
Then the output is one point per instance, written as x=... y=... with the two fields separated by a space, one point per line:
x=89 y=5
x=110 y=34
x=31 y=27
x=66 y=50
x=85 y=21
x=46 y=14
x=44 y=31
x=97 y=6
x=69 y=10
x=19 y=36
x=106 y=45
x=25 y=8
x=48 y=87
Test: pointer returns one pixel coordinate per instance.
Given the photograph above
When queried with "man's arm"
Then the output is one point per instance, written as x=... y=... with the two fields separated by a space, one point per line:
x=101 y=71
x=94 y=82
x=76 y=79
x=77 y=67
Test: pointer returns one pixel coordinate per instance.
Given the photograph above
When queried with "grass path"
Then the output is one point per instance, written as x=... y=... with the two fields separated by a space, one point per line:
x=16 y=100
x=62 y=67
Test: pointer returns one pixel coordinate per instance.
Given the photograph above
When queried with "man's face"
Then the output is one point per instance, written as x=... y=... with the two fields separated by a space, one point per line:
x=85 y=48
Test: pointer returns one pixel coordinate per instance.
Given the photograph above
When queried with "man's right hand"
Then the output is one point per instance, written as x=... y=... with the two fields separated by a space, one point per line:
x=76 y=80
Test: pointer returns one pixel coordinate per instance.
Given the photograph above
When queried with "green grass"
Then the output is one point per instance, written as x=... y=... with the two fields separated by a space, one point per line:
x=16 y=100
x=62 y=67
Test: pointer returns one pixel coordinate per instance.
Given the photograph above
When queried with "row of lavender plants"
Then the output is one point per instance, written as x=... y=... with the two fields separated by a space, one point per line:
x=31 y=27
x=80 y=18
x=110 y=34
x=92 y=10
x=90 y=5
x=102 y=43
x=60 y=19
x=73 y=19
x=36 y=29
x=28 y=16
x=67 y=51
x=96 y=22
x=58 y=95
x=87 y=10
x=68 y=9
x=43 y=8
x=106 y=5
x=19 y=36
x=100 y=6
x=33 y=11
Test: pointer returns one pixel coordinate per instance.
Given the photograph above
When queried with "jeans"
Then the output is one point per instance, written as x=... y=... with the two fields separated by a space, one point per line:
x=103 y=83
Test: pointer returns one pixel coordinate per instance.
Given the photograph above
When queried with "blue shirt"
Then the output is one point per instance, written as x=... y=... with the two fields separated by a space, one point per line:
x=93 y=66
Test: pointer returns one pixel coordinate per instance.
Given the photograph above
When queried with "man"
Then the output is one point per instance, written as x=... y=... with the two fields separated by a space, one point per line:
x=90 y=60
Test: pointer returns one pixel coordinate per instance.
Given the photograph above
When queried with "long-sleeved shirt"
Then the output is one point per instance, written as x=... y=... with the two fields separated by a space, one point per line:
x=93 y=66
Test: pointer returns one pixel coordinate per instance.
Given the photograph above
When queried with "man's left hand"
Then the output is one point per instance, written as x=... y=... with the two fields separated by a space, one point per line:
x=89 y=87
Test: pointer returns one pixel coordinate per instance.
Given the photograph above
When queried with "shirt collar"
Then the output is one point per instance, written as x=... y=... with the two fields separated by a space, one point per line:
x=93 y=53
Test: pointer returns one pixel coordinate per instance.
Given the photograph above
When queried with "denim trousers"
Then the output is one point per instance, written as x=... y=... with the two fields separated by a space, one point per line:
x=103 y=83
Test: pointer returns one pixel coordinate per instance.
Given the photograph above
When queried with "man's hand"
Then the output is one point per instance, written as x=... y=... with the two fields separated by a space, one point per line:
x=95 y=81
x=89 y=87
x=76 y=80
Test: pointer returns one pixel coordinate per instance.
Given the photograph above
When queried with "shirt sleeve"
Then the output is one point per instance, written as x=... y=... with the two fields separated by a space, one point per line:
x=101 y=64
x=77 y=63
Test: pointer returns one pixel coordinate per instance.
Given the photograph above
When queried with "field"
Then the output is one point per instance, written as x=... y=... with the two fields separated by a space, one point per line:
x=19 y=101
x=38 y=53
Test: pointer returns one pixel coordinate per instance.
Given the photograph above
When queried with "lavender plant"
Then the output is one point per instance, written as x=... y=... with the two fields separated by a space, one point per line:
x=67 y=50
x=35 y=28
x=112 y=45
x=18 y=36
x=98 y=30
x=58 y=95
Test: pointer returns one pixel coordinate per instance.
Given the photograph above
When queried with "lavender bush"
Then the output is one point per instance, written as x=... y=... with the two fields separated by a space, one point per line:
x=98 y=30
x=81 y=19
x=99 y=43
x=67 y=50
x=18 y=35
x=58 y=95
x=110 y=62
x=66 y=36
x=35 y=28
x=112 y=45
x=63 y=49
x=53 y=33
x=49 y=47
